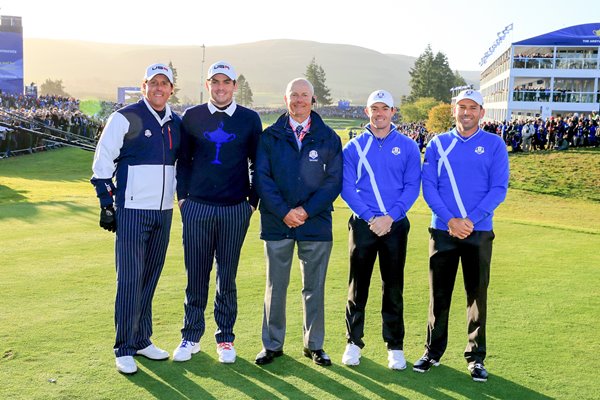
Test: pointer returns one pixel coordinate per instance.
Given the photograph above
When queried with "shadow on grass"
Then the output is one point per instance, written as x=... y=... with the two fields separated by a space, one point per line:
x=440 y=383
x=10 y=195
x=169 y=380
x=180 y=380
x=24 y=210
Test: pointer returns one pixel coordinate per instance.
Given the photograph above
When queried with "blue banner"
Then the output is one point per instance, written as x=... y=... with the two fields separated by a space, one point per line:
x=11 y=62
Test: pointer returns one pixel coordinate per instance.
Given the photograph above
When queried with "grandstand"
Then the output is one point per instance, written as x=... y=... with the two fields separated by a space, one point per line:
x=20 y=135
x=554 y=74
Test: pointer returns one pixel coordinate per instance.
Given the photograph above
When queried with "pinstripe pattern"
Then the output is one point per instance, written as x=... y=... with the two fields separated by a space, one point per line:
x=141 y=245
x=212 y=232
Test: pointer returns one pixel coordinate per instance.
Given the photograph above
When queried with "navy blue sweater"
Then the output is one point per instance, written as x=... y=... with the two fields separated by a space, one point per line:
x=218 y=152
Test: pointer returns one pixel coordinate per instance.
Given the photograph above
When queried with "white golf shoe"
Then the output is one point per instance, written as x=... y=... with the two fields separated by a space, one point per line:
x=184 y=351
x=153 y=353
x=351 y=355
x=226 y=352
x=126 y=365
x=396 y=359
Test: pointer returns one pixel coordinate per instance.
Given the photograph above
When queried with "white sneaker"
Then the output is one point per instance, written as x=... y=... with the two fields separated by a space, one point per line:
x=351 y=355
x=126 y=365
x=154 y=353
x=184 y=351
x=396 y=359
x=226 y=352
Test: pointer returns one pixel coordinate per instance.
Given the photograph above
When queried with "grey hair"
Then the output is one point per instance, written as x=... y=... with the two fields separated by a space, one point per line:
x=288 y=89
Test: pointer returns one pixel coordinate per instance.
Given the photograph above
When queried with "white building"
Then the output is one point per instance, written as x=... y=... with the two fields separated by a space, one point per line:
x=557 y=73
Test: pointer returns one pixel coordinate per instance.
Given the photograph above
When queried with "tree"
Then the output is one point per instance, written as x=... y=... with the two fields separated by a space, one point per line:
x=431 y=76
x=440 y=118
x=53 y=87
x=316 y=75
x=459 y=80
x=174 y=99
x=419 y=110
x=244 y=93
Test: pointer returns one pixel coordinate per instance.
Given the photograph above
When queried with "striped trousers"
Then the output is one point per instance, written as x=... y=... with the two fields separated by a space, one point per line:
x=212 y=233
x=141 y=243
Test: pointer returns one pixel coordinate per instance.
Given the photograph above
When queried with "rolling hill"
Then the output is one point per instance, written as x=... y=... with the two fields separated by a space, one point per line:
x=95 y=70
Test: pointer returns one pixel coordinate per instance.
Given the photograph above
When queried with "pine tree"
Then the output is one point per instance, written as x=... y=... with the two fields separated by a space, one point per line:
x=244 y=93
x=174 y=99
x=316 y=75
x=431 y=76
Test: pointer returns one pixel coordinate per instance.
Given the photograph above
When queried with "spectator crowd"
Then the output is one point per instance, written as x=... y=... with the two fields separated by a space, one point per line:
x=554 y=133
x=63 y=113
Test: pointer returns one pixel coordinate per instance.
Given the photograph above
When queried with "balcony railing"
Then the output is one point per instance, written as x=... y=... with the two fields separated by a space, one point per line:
x=557 y=96
x=549 y=63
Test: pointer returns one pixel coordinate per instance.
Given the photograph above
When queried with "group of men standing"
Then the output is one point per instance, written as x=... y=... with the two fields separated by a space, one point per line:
x=219 y=161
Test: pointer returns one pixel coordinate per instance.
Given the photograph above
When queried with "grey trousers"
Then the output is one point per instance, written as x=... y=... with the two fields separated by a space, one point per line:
x=314 y=258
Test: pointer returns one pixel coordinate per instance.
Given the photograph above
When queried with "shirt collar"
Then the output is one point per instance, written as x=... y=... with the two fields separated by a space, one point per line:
x=229 y=110
x=295 y=124
x=167 y=116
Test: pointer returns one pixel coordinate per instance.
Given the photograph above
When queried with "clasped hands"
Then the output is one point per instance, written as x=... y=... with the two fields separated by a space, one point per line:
x=460 y=228
x=381 y=225
x=295 y=217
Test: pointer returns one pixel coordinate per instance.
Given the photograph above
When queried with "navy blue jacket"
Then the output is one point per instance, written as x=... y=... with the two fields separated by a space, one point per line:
x=287 y=177
x=137 y=150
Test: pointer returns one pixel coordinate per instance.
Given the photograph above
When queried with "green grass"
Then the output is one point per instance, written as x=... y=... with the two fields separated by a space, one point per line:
x=90 y=107
x=57 y=291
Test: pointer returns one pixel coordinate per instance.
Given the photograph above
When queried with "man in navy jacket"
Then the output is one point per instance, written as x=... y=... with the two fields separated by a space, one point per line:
x=137 y=150
x=298 y=176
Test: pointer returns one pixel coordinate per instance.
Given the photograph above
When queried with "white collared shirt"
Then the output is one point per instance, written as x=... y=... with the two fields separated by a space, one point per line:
x=229 y=110
x=295 y=124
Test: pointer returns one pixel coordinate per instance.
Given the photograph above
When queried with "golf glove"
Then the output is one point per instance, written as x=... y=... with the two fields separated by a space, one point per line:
x=107 y=219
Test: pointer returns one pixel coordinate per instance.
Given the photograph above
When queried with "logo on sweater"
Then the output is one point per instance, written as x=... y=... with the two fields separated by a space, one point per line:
x=396 y=150
x=218 y=137
x=313 y=155
x=147 y=133
x=479 y=150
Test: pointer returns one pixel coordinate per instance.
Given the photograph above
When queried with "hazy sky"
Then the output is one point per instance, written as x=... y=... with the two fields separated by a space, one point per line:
x=461 y=29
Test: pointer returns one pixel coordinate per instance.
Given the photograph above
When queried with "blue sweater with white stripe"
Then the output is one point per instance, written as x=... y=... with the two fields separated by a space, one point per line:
x=381 y=177
x=465 y=178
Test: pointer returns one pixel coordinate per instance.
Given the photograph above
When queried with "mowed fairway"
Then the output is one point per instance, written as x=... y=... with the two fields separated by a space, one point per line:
x=57 y=287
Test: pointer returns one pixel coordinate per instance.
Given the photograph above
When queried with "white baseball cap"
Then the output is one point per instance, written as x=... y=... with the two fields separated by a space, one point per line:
x=380 y=96
x=471 y=95
x=157 y=69
x=221 y=67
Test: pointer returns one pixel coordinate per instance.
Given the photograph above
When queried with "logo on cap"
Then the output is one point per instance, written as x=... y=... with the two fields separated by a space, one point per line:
x=380 y=95
x=468 y=92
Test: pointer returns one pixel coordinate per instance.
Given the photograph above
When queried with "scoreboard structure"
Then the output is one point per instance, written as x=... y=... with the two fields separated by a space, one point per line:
x=11 y=55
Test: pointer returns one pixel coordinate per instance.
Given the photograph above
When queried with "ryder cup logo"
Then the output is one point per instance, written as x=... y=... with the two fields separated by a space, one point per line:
x=479 y=150
x=147 y=133
x=396 y=151
x=313 y=155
